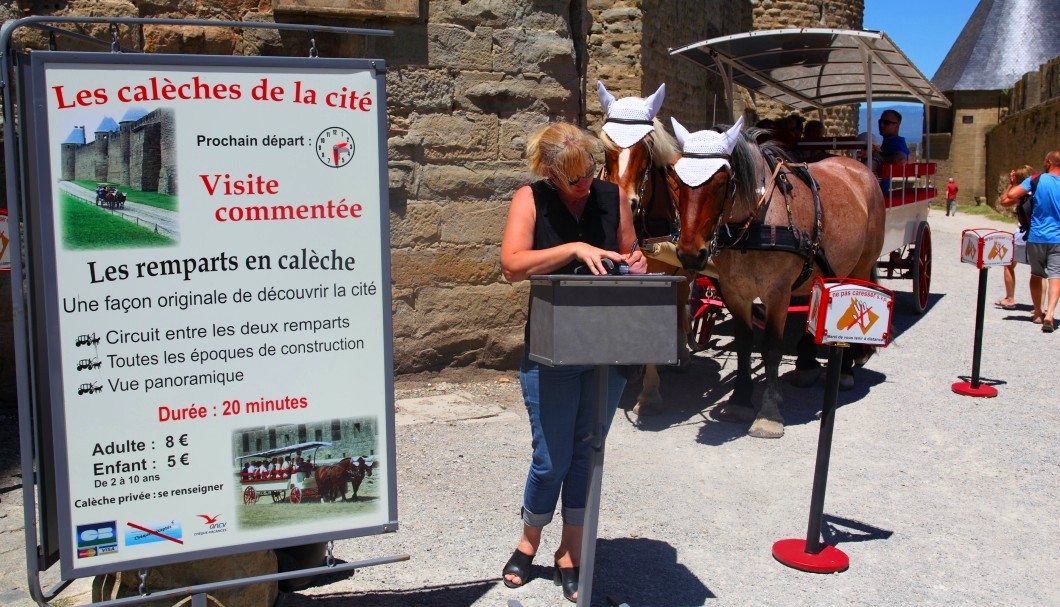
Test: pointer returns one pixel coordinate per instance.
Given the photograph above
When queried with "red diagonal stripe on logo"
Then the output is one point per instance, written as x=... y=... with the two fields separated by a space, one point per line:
x=153 y=532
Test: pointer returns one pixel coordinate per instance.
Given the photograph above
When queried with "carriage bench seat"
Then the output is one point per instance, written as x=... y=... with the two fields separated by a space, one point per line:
x=909 y=183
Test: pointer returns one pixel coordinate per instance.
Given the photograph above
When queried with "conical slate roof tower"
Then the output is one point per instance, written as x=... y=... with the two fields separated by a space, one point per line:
x=1002 y=40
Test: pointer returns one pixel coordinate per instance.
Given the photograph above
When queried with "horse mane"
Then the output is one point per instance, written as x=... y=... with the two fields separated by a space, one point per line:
x=666 y=148
x=744 y=165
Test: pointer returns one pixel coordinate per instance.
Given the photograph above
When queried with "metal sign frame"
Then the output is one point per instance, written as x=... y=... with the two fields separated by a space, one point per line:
x=35 y=346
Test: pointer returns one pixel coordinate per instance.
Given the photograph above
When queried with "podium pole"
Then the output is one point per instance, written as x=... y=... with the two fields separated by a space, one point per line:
x=592 y=500
x=974 y=387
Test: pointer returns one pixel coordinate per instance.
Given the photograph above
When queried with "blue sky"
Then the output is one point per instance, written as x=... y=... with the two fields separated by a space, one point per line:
x=924 y=29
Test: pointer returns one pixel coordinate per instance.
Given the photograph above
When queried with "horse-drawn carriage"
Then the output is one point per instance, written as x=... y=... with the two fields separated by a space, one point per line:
x=108 y=195
x=293 y=483
x=284 y=475
x=760 y=221
x=814 y=69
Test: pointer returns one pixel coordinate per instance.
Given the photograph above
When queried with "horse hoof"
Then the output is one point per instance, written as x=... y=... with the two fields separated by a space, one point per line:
x=846 y=382
x=804 y=378
x=648 y=408
x=766 y=428
x=729 y=412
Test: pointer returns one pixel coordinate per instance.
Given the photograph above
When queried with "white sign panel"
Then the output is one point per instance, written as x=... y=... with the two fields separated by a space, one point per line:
x=222 y=276
x=985 y=248
x=852 y=312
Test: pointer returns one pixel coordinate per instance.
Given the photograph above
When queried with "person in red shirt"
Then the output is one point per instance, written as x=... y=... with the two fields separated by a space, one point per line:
x=951 y=197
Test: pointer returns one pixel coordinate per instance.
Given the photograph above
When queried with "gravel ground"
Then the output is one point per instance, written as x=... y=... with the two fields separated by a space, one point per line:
x=938 y=499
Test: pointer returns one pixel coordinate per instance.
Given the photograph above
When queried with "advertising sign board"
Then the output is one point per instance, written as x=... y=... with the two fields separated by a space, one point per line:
x=217 y=295
x=849 y=311
x=986 y=248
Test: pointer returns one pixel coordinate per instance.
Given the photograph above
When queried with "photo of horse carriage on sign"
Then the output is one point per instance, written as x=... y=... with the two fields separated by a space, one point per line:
x=294 y=475
x=108 y=195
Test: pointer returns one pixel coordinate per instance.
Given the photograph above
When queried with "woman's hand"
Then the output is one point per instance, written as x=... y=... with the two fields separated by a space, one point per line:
x=592 y=256
x=638 y=263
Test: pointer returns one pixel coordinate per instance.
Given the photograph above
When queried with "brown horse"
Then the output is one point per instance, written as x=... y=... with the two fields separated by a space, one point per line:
x=332 y=479
x=735 y=207
x=638 y=158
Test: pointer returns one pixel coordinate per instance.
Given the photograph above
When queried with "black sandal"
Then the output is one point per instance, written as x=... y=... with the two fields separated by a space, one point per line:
x=518 y=565
x=567 y=578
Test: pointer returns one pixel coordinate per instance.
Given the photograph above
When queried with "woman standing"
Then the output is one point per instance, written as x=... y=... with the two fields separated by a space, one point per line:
x=566 y=219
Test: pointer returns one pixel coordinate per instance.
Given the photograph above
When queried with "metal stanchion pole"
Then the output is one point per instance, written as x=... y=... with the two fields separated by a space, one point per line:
x=592 y=500
x=974 y=387
x=812 y=554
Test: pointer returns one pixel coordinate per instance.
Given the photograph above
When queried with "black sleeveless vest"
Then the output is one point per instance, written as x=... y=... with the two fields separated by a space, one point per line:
x=555 y=225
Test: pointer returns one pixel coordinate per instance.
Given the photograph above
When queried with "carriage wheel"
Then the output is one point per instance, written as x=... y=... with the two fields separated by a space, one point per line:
x=922 y=268
x=296 y=495
x=701 y=328
x=249 y=496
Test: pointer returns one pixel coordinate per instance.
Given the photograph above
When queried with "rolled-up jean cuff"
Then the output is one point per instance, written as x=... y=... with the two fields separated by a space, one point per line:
x=536 y=520
x=574 y=516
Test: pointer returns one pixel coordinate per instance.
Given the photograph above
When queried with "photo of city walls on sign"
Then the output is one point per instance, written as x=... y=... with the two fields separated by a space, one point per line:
x=290 y=473
x=119 y=190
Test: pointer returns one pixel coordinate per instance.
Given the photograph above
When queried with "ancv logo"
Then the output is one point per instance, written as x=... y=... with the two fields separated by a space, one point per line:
x=213 y=524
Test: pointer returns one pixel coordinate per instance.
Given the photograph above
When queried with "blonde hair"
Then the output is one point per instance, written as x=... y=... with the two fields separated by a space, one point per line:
x=560 y=151
x=1024 y=172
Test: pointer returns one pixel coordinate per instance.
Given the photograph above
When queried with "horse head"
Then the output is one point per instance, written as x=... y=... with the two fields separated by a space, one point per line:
x=712 y=172
x=638 y=154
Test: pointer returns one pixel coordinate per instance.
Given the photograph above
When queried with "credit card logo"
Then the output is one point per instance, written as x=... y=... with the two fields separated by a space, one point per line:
x=97 y=538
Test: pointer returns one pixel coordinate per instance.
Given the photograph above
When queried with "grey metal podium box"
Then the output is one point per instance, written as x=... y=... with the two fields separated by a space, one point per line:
x=603 y=320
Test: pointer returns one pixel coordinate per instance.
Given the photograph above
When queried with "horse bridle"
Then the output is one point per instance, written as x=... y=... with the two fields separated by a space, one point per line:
x=730 y=184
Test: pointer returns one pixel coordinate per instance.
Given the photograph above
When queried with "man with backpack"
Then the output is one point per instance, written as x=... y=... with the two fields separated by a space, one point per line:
x=1043 y=238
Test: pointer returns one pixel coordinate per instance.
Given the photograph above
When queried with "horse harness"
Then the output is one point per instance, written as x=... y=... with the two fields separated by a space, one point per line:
x=753 y=234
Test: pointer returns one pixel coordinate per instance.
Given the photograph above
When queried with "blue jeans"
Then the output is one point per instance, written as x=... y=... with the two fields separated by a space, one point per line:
x=560 y=402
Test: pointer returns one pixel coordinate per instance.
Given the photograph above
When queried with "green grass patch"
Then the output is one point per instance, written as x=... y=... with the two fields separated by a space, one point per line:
x=988 y=212
x=86 y=226
x=151 y=199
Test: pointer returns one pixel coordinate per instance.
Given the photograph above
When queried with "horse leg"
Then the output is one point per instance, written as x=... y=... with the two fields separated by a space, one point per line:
x=649 y=401
x=807 y=369
x=769 y=423
x=739 y=408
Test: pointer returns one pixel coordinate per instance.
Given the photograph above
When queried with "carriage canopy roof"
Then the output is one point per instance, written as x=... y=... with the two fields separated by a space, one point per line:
x=312 y=445
x=816 y=68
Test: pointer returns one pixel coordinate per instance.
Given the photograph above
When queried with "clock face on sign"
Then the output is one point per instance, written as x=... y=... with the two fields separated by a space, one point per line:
x=335 y=147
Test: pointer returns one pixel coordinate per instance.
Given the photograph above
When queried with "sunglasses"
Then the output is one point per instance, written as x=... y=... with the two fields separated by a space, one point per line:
x=588 y=174
x=888 y=122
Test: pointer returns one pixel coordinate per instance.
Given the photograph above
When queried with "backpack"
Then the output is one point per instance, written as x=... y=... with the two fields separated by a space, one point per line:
x=1025 y=207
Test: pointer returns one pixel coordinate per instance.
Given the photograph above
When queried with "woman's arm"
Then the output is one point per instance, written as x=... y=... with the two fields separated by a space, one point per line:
x=520 y=261
x=638 y=264
x=1014 y=192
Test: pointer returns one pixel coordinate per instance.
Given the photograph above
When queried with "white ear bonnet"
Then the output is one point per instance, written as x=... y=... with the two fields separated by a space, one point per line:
x=629 y=120
x=703 y=152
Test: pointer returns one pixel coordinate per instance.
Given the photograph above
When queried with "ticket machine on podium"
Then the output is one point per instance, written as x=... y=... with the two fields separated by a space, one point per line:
x=602 y=321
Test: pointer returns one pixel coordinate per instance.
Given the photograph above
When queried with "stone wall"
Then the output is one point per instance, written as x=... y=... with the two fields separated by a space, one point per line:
x=975 y=113
x=466 y=83
x=132 y=156
x=1028 y=132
